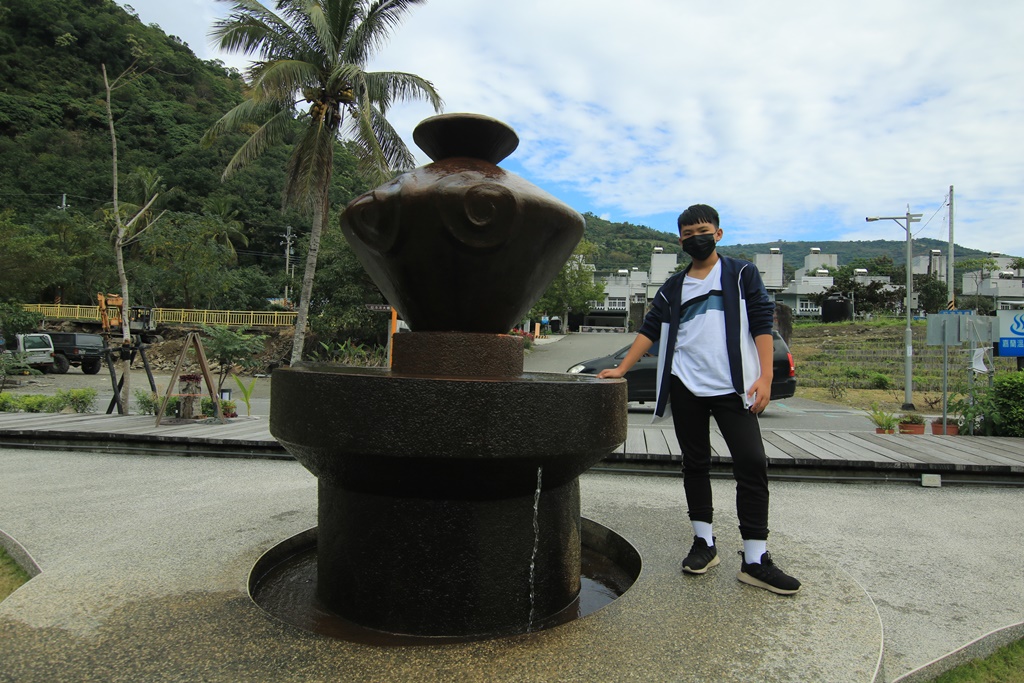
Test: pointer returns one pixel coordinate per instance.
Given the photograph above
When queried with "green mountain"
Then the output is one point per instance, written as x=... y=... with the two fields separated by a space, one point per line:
x=55 y=157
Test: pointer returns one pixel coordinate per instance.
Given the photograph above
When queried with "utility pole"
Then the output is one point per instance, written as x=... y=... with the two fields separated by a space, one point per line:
x=908 y=338
x=64 y=202
x=949 y=258
x=288 y=239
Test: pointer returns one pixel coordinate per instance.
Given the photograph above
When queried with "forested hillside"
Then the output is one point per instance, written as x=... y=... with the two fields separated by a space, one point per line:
x=218 y=245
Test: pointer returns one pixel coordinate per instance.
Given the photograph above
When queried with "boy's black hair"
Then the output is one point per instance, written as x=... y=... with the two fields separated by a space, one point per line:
x=698 y=213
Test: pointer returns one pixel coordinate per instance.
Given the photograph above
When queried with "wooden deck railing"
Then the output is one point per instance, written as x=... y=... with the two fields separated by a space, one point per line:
x=172 y=316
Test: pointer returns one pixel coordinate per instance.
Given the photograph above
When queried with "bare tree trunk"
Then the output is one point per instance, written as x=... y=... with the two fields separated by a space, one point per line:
x=320 y=218
x=122 y=277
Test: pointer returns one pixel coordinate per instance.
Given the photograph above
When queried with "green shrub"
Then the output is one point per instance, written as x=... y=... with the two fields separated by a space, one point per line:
x=975 y=410
x=38 y=403
x=172 y=406
x=148 y=403
x=226 y=407
x=80 y=400
x=347 y=352
x=853 y=373
x=145 y=402
x=1008 y=400
x=9 y=403
x=911 y=419
x=879 y=381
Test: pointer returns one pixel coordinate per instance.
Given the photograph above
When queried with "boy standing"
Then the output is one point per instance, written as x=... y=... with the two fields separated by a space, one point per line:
x=713 y=323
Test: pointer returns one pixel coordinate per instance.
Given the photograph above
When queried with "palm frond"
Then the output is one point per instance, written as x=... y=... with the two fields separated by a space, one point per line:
x=265 y=136
x=344 y=74
x=373 y=160
x=320 y=28
x=398 y=156
x=387 y=87
x=248 y=111
x=373 y=32
x=280 y=79
x=253 y=29
x=309 y=23
x=310 y=167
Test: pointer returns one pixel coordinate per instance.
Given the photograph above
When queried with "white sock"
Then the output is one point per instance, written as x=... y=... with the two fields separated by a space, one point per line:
x=753 y=550
x=703 y=530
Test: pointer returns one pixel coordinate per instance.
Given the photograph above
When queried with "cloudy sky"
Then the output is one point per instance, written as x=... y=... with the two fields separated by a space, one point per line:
x=796 y=119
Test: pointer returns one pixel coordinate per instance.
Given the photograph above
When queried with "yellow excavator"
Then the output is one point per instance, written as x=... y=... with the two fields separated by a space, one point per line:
x=140 y=321
x=140 y=318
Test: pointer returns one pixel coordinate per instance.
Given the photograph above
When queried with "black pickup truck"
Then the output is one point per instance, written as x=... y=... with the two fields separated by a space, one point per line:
x=77 y=349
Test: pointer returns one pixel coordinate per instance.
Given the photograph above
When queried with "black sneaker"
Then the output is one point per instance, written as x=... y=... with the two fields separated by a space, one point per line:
x=701 y=557
x=766 y=575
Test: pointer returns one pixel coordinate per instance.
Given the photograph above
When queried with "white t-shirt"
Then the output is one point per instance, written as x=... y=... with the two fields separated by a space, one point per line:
x=700 y=358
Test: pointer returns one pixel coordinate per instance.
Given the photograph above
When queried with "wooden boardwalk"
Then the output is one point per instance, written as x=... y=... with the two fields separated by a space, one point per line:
x=834 y=452
x=845 y=450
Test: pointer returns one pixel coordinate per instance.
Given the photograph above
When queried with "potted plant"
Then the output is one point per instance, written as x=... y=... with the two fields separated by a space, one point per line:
x=952 y=426
x=885 y=423
x=911 y=423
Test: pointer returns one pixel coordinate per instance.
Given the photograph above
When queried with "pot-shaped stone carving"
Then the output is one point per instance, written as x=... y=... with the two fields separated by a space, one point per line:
x=441 y=511
x=461 y=244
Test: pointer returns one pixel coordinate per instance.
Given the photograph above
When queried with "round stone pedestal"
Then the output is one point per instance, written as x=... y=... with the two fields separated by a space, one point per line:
x=447 y=506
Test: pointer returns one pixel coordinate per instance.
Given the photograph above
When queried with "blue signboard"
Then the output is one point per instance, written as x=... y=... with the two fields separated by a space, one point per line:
x=1011 y=333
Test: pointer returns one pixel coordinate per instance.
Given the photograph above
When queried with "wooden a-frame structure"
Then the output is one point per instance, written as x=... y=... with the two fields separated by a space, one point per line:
x=194 y=341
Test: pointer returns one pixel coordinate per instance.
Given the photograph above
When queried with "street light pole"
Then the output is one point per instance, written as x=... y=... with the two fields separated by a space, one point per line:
x=908 y=336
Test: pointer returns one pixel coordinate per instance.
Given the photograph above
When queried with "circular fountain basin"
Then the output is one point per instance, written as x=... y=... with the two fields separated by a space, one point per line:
x=283 y=583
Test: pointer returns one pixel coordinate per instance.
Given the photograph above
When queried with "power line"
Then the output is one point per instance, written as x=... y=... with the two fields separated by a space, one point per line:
x=945 y=201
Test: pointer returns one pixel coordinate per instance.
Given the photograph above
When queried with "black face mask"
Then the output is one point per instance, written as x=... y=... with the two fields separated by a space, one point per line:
x=699 y=247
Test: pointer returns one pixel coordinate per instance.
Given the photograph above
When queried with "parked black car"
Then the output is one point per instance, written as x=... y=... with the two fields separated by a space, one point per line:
x=642 y=377
x=77 y=349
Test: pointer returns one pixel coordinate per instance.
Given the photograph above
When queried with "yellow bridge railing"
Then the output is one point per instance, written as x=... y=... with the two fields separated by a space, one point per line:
x=172 y=316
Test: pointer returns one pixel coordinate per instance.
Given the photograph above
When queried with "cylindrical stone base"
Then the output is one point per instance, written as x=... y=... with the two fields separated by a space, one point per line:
x=449 y=567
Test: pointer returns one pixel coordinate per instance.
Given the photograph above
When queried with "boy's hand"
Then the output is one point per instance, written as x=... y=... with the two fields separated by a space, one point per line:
x=611 y=373
x=760 y=393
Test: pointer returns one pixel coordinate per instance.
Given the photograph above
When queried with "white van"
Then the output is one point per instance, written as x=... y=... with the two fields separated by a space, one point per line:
x=38 y=350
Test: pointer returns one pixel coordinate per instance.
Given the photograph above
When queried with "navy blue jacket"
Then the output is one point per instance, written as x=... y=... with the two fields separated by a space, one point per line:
x=742 y=289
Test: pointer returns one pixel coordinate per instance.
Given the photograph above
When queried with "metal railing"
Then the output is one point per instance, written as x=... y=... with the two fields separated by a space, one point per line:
x=171 y=316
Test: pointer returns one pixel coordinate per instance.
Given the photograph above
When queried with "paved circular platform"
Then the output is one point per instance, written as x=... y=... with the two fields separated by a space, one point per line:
x=145 y=563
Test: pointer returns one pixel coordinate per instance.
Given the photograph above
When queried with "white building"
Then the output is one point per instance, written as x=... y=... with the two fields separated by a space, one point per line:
x=816 y=261
x=629 y=286
x=770 y=267
x=813 y=278
x=934 y=263
x=1005 y=285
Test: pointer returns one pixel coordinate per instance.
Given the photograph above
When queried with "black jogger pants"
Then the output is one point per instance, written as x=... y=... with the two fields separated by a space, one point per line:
x=691 y=418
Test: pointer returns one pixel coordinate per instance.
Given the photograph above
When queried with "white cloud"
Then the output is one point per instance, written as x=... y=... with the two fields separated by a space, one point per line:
x=795 y=118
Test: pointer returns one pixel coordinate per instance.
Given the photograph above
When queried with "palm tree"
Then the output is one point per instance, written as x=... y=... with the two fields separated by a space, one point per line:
x=315 y=51
x=228 y=229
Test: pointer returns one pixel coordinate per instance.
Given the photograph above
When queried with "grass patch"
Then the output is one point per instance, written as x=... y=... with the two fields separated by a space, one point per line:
x=862 y=399
x=12 y=576
x=1005 y=665
x=864 y=355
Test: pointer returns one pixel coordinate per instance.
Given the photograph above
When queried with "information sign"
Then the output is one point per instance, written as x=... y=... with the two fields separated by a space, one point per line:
x=1011 y=333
